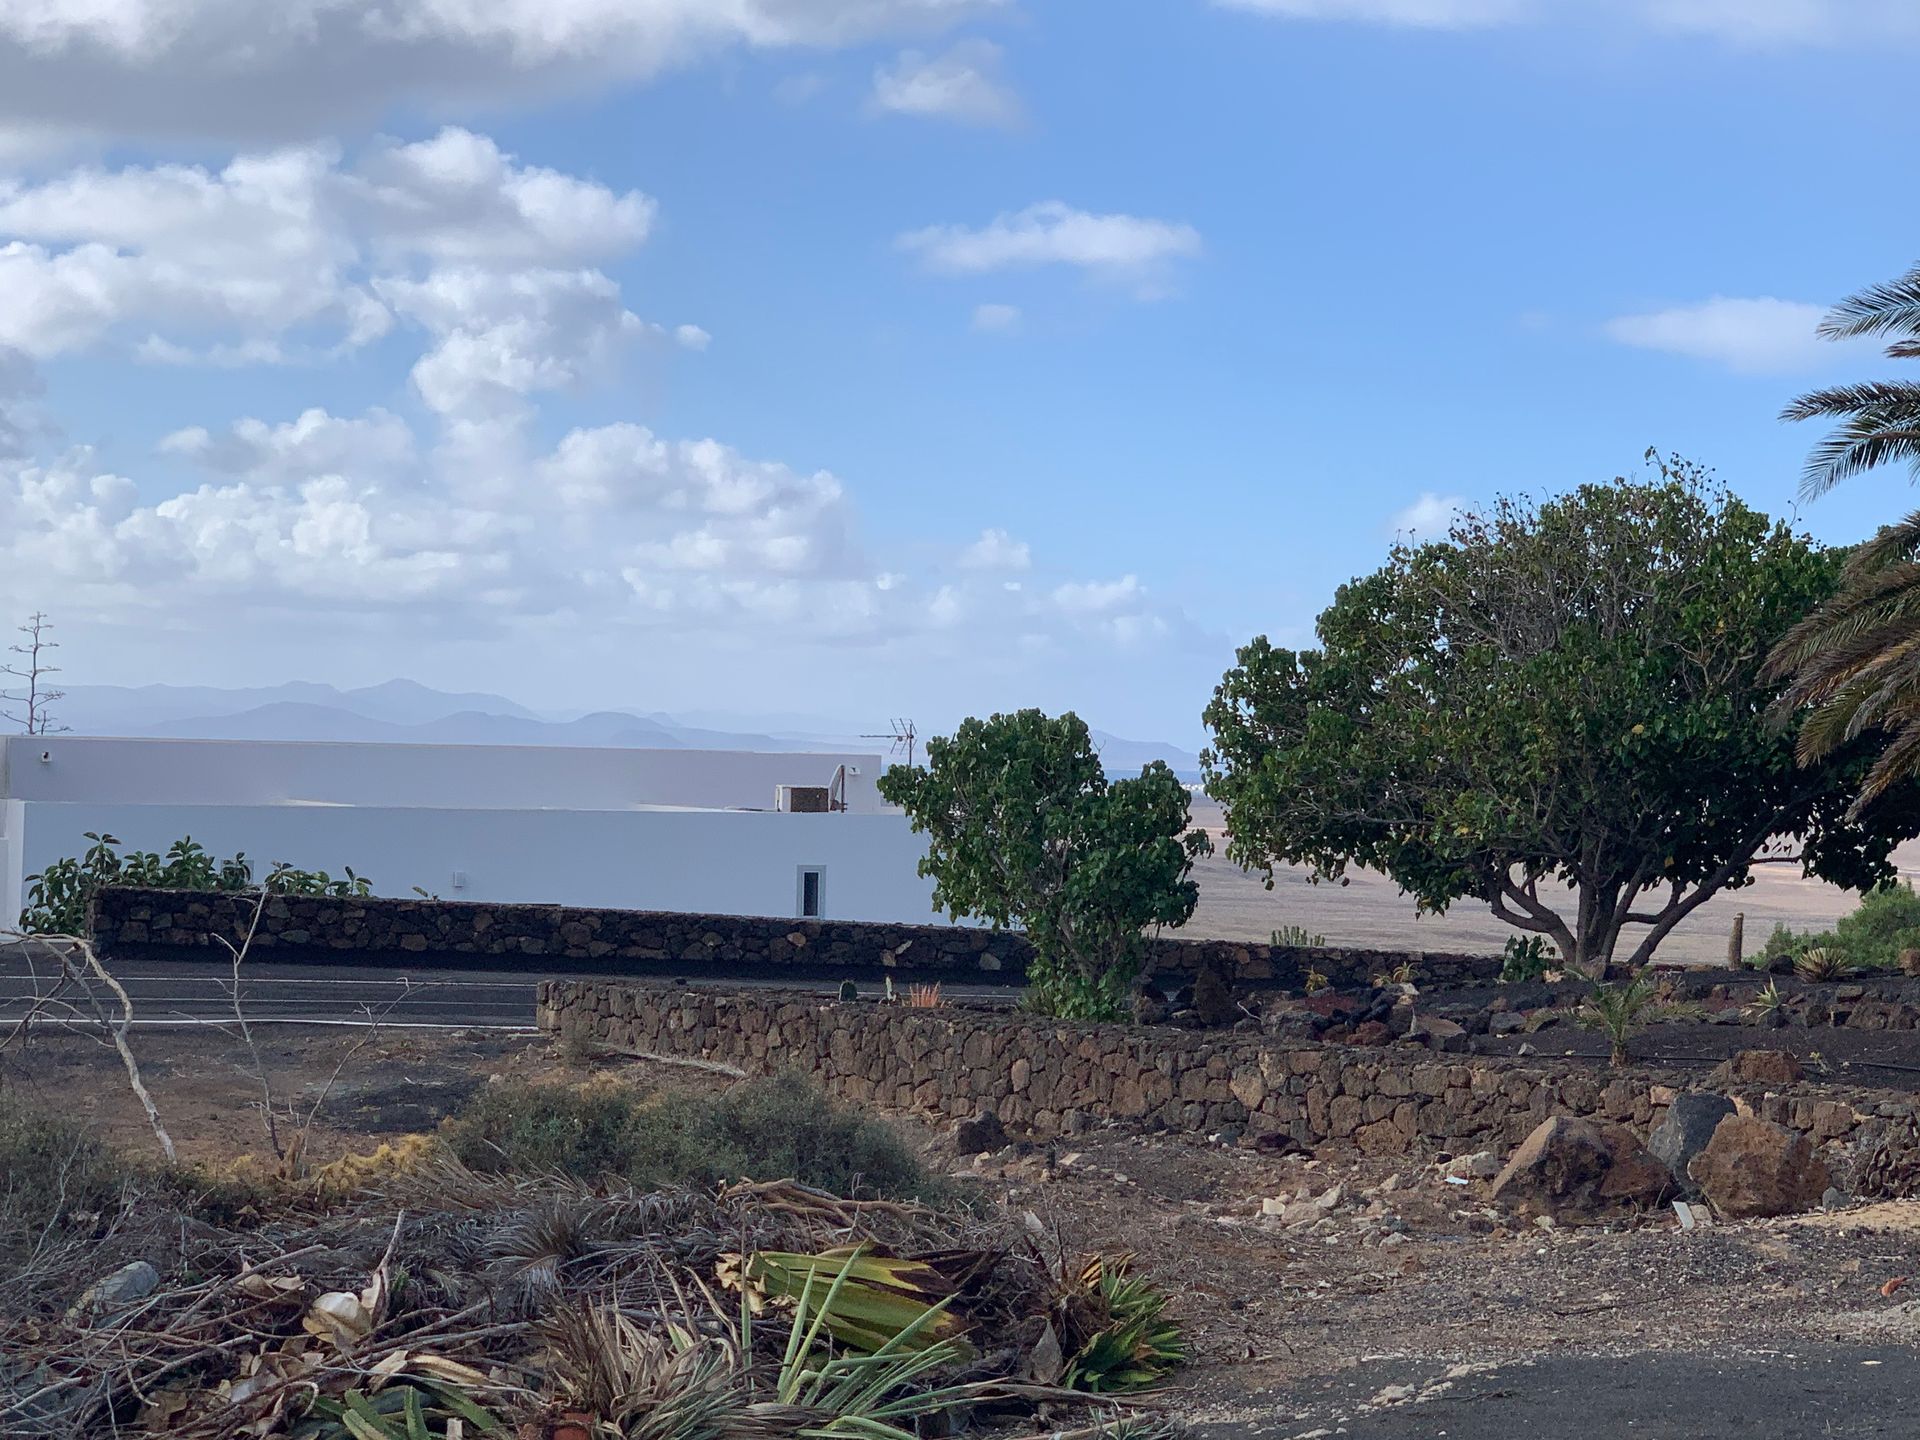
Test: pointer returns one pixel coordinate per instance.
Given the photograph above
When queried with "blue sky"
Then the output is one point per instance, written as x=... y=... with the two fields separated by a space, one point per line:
x=1268 y=279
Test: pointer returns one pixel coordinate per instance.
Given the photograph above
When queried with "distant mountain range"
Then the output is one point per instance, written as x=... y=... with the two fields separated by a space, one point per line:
x=402 y=711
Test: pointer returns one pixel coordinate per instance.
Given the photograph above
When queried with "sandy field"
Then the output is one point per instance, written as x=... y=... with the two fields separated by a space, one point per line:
x=1370 y=911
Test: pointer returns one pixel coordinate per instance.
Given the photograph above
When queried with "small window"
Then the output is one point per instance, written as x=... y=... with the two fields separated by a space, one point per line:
x=810 y=878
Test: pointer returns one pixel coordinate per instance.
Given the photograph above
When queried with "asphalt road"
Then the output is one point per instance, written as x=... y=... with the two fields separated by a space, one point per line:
x=1811 y=1393
x=190 y=993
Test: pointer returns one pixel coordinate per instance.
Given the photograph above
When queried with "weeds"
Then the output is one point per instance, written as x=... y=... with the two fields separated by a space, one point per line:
x=766 y=1129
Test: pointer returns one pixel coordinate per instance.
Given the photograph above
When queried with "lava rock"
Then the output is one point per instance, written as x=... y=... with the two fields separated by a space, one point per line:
x=1753 y=1168
x=1688 y=1127
x=1582 y=1172
x=977 y=1135
x=1758 y=1067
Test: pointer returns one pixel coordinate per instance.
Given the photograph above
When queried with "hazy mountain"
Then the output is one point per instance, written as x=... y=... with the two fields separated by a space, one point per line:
x=403 y=711
x=1126 y=757
x=136 y=710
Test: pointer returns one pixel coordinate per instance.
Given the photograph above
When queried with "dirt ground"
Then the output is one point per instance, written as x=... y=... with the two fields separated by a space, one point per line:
x=1399 y=1265
x=1370 y=911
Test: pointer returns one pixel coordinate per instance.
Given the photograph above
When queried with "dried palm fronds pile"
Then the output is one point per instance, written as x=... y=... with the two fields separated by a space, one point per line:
x=445 y=1303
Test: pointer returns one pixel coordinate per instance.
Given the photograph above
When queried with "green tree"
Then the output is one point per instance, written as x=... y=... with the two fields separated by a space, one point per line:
x=1879 y=419
x=1559 y=710
x=1023 y=829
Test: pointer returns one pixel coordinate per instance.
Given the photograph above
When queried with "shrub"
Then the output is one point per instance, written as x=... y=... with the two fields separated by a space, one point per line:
x=771 y=1129
x=1872 y=937
x=1527 y=959
x=58 y=897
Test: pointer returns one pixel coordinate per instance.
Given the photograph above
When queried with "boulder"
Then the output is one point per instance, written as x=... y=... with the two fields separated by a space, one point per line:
x=977 y=1135
x=1213 y=999
x=1752 y=1167
x=1758 y=1067
x=1582 y=1171
x=1481 y=1165
x=1684 y=1133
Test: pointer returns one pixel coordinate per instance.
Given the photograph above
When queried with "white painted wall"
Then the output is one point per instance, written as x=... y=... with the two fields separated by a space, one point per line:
x=720 y=862
x=479 y=777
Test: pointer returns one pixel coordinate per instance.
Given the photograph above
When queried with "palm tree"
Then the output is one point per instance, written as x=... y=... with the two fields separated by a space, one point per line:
x=1855 y=662
x=1880 y=419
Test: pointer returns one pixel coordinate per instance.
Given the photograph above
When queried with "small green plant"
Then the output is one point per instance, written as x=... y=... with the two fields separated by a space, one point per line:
x=58 y=897
x=1402 y=974
x=1767 y=1001
x=1616 y=1009
x=1527 y=959
x=849 y=992
x=1819 y=965
x=1315 y=982
x=1297 y=937
x=1122 y=1338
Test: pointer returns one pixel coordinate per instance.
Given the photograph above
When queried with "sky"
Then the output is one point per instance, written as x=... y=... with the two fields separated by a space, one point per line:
x=871 y=358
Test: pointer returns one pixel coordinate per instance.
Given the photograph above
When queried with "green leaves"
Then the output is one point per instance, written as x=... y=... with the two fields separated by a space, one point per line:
x=1560 y=709
x=58 y=897
x=1023 y=829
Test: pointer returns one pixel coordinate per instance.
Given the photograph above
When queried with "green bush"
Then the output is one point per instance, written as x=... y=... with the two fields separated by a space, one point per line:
x=1886 y=921
x=770 y=1129
x=57 y=898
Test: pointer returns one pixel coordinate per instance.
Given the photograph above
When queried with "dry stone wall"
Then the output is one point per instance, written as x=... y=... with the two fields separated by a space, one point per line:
x=1053 y=1078
x=134 y=924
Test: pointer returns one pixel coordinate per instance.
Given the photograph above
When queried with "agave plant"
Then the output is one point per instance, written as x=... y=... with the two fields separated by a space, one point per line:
x=1767 y=1001
x=1112 y=1329
x=1819 y=964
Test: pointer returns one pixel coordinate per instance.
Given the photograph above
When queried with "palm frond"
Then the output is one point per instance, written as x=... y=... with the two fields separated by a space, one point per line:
x=1889 y=308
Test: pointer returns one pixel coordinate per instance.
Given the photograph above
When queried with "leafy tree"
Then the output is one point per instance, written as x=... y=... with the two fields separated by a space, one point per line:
x=1560 y=710
x=1879 y=419
x=1024 y=829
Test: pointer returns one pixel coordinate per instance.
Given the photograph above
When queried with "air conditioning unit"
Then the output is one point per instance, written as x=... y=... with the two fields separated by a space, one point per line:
x=802 y=799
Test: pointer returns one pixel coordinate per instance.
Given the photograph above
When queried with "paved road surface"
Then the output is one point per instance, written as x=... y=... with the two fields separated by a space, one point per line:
x=178 y=993
x=1813 y=1393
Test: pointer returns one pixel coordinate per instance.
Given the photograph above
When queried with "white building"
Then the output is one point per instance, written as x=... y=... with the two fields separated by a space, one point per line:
x=701 y=831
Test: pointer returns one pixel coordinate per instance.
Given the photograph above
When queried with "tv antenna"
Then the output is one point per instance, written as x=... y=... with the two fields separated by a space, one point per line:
x=901 y=733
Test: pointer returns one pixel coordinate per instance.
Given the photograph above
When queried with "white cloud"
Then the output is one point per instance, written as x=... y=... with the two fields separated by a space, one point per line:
x=1428 y=517
x=963 y=84
x=291 y=69
x=1122 y=248
x=314 y=524
x=996 y=550
x=498 y=337
x=996 y=317
x=288 y=253
x=316 y=443
x=1760 y=336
